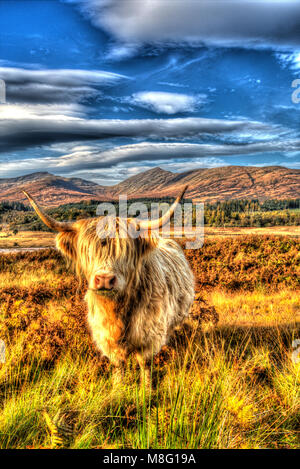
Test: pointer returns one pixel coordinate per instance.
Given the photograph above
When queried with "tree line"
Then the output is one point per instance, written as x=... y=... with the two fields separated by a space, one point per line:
x=18 y=216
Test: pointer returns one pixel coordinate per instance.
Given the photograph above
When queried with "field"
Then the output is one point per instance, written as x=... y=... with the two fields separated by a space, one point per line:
x=26 y=239
x=37 y=239
x=228 y=379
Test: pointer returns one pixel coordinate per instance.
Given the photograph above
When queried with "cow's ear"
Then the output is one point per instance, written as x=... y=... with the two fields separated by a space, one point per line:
x=66 y=243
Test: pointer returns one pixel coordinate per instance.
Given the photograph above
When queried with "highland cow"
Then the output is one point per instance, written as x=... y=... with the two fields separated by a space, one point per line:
x=139 y=288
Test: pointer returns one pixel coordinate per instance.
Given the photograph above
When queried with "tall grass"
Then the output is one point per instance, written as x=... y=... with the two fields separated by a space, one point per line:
x=230 y=385
x=225 y=391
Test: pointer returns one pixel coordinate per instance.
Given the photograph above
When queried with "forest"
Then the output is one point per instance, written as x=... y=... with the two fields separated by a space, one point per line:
x=17 y=216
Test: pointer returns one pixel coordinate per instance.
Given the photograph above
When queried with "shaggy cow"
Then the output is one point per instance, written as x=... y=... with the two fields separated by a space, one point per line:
x=139 y=288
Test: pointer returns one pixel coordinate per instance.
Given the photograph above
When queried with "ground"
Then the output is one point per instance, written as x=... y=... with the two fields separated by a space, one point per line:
x=28 y=239
x=228 y=379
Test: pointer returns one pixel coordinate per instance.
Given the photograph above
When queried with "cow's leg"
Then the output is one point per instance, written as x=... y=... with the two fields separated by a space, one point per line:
x=118 y=374
x=145 y=369
x=119 y=362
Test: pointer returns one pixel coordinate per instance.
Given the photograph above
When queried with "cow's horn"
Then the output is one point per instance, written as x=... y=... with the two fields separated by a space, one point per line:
x=159 y=222
x=49 y=221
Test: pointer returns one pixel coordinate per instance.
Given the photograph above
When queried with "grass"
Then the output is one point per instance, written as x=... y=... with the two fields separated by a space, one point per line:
x=26 y=239
x=38 y=239
x=214 y=232
x=229 y=385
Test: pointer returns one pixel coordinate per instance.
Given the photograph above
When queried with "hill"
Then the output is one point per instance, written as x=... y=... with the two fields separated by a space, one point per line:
x=49 y=189
x=206 y=185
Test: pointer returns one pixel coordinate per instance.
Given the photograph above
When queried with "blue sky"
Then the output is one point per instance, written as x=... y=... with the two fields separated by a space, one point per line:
x=105 y=89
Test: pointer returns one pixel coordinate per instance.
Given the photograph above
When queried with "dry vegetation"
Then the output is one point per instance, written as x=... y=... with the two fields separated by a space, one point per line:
x=38 y=239
x=293 y=231
x=26 y=239
x=227 y=385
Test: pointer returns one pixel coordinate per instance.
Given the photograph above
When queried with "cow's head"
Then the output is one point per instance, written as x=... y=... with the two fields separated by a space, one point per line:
x=110 y=262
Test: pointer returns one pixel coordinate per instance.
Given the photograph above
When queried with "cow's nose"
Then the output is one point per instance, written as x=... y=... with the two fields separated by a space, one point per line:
x=106 y=281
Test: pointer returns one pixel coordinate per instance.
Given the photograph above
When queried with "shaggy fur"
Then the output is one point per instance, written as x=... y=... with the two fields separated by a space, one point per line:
x=156 y=293
x=153 y=286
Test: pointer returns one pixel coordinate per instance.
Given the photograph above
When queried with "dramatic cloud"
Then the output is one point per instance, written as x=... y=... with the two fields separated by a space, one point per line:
x=54 y=86
x=255 y=23
x=121 y=171
x=28 y=126
x=158 y=81
x=83 y=158
x=292 y=61
x=166 y=103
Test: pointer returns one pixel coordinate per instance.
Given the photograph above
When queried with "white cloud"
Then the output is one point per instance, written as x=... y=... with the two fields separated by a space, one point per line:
x=59 y=77
x=193 y=164
x=32 y=112
x=166 y=103
x=23 y=126
x=255 y=23
x=122 y=52
x=42 y=86
x=292 y=61
x=91 y=158
x=119 y=172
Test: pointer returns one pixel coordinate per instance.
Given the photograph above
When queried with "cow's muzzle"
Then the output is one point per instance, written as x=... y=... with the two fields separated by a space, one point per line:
x=104 y=282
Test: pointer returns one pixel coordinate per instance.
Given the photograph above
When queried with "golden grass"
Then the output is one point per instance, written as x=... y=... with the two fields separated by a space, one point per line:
x=26 y=239
x=257 y=308
x=214 y=232
x=36 y=239
x=230 y=385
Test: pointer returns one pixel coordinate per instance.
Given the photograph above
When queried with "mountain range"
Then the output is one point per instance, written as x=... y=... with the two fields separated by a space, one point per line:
x=205 y=185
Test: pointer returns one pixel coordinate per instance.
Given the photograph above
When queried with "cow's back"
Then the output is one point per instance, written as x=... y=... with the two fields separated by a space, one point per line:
x=163 y=299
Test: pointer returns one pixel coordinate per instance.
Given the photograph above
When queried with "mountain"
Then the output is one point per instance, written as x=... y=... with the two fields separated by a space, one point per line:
x=210 y=185
x=49 y=189
x=155 y=179
x=240 y=182
x=229 y=182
